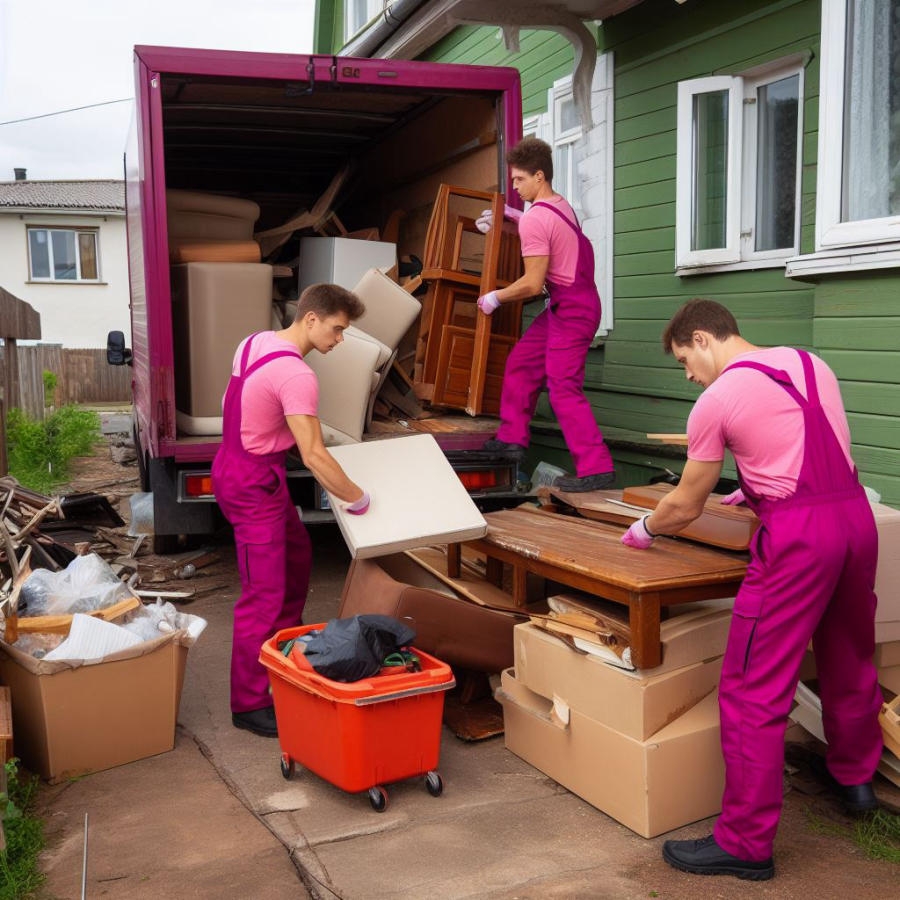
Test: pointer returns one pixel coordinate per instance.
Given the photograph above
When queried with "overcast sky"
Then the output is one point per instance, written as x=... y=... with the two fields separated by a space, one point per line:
x=58 y=55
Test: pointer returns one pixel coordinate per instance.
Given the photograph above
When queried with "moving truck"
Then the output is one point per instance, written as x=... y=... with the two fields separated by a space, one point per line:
x=275 y=130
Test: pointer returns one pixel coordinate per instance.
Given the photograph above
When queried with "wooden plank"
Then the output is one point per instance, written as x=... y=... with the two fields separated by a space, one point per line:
x=60 y=624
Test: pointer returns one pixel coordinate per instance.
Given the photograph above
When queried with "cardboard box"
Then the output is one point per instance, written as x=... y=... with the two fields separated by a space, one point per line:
x=889 y=677
x=887 y=654
x=636 y=704
x=887 y=578
x=72 y=717
x=653 y=786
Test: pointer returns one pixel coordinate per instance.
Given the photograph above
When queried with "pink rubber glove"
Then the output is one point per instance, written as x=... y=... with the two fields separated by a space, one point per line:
x=639 y=536
x=485 y=221
x=487 y=303
x=358 y=507
x=734 y=498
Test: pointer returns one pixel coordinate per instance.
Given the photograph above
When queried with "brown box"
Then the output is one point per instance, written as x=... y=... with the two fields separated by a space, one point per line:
x=887 y=578
x=74 y=717
x=675 y=777
x=889 y=677
x=887 y=654
x=636 y=704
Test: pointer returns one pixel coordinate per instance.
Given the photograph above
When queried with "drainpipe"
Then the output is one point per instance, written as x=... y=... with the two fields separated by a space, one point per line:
x=391 y=18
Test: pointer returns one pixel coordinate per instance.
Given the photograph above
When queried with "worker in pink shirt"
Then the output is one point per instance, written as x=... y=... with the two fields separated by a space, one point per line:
x=811 y=576
x=553 y=351
x=270 y=405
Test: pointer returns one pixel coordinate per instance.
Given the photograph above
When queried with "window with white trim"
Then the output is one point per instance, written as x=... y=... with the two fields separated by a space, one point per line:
x=63 y=254
x=858 y=178
x=738 y=157
x=358 y=14
x=566 y=131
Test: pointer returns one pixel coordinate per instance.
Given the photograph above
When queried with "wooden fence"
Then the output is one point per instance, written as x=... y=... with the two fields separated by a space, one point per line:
x=83 y=376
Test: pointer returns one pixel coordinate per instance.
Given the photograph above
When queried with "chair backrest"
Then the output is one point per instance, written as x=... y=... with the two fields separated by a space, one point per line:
x=390 y=310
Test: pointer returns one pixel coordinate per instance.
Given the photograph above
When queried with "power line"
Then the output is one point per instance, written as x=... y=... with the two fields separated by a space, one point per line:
x=64 y=111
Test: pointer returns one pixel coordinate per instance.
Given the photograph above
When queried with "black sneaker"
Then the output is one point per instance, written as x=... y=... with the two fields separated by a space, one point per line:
x=575 y=485
x=259 y=721
x=706 y=857
x=515 y=452
x=857 y=799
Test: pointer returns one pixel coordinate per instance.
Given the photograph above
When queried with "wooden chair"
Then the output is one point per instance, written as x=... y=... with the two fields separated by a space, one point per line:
x=461 y=352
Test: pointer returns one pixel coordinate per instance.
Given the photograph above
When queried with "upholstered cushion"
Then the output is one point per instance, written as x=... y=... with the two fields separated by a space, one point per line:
x=390 y=310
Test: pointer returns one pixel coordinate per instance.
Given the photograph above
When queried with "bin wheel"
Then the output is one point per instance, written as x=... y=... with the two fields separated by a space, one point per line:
x=434 y=784
x=287 y=766
x=378 y=798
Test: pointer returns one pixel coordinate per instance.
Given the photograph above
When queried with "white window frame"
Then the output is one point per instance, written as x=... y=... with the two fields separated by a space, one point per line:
x=739 y=251
x=94 y=232
x=831 y=232
x=352 y=24
x=564 y=182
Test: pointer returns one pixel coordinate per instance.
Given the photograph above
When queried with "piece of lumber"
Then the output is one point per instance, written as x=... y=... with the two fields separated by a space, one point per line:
x=719 y=525
x=680 y=439
x=60 y=624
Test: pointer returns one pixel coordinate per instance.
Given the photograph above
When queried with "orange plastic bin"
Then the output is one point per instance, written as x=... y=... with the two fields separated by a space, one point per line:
x=363 y=734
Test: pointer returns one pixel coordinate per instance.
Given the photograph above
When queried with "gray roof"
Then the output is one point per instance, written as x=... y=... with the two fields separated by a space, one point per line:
x=63 y=195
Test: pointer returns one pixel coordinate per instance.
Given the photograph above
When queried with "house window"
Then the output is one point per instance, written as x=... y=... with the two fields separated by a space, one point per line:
x=62 y=254
x=738 y=168
x=566 y=131
x=858 y=189
x=358 y=14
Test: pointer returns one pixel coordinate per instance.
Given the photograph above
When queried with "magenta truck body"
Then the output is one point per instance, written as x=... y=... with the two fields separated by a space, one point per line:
x=224 y=122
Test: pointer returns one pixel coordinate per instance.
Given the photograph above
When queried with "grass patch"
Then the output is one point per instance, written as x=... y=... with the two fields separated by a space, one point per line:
x=40 y=450
x=876 y=834
x=19 y=874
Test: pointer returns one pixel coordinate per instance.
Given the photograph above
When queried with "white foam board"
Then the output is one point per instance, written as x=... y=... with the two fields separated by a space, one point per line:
x=417 y=498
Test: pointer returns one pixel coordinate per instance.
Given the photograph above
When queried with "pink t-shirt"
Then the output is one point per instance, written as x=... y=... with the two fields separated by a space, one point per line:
x=543 y=233
x=760 y=423
x=282 y=387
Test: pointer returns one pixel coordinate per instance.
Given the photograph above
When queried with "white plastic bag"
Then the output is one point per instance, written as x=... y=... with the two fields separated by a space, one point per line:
x=86 y=584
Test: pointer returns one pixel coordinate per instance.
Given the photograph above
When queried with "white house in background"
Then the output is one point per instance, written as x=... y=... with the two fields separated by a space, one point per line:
x=63 y=250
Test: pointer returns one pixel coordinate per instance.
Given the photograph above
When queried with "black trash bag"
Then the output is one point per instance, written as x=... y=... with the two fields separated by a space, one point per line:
x=354 y=648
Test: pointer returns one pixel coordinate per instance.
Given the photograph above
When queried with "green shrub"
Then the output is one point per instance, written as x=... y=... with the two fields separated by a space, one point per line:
x=40 y=451
x=50 y=383
x=19 y=874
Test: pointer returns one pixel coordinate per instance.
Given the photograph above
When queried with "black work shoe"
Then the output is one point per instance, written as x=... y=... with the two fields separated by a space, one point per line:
x=706 y=857
x=515 y=452
x=857 y=799
x=575 y=485
x=259 y=721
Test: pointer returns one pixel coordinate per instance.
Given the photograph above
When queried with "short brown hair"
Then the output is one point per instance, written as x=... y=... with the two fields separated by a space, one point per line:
x=328 y=300
x=699 y=315
x=532 y=155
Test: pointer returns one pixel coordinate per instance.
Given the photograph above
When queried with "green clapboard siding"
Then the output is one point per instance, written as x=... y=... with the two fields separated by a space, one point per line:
x=853 y=322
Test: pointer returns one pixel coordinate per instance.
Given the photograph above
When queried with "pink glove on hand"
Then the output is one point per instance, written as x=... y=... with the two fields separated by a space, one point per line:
x=485 y=221
x=639 y=536
x=487 y=303
x=734 y=498
x=358 y=507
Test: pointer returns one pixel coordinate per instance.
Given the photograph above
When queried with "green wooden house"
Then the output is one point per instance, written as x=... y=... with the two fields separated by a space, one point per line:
x=746 y=151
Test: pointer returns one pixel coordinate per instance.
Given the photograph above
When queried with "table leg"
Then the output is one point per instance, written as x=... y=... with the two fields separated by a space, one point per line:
x=454 y=560
x=494 y=571
x=519 y=585
x=643 y=618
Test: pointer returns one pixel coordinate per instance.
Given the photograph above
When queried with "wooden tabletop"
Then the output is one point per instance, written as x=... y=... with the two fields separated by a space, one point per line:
x=595 y=550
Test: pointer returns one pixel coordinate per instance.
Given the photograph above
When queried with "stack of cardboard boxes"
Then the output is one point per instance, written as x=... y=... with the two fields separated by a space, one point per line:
x=642 y=746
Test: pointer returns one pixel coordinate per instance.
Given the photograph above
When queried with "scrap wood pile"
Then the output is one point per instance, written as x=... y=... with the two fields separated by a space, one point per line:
x=41 y=532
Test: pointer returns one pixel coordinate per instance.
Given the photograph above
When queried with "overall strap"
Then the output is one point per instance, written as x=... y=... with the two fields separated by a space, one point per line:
x=777 y=375
x=573 y=225
x=268 y=358
x=246 y=354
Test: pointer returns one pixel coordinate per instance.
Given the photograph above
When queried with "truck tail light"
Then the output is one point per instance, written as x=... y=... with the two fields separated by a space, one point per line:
x=478 y=479
x=197 y=486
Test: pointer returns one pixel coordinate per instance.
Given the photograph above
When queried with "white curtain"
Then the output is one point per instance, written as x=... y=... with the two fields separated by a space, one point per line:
x=867 y=116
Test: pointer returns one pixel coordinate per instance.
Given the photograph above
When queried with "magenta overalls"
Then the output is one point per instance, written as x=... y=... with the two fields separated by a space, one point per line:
x=811 y=576
x=552 y=353
x=274 y=555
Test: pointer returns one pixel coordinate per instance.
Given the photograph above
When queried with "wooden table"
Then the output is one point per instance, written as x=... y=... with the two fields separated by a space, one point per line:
x=590 y=556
